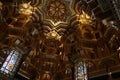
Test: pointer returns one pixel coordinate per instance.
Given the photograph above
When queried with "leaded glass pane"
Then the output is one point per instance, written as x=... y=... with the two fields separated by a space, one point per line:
x=81 y=71
x=11 y=62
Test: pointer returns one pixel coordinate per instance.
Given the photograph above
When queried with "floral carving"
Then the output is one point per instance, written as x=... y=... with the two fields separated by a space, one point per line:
x=56 y=11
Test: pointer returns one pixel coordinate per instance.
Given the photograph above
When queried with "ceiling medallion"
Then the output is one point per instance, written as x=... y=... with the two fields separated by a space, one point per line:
x=56 y=10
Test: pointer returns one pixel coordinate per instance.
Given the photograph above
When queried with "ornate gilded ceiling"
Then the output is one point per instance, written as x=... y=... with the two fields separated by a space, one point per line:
x=58 y=33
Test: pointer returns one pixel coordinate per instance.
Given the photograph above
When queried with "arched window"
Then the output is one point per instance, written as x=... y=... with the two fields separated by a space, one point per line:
x=81 y=71
x=11 y=62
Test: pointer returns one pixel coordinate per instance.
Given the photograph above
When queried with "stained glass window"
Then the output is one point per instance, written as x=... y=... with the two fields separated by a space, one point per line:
x=81 y=71
x=11 y=62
